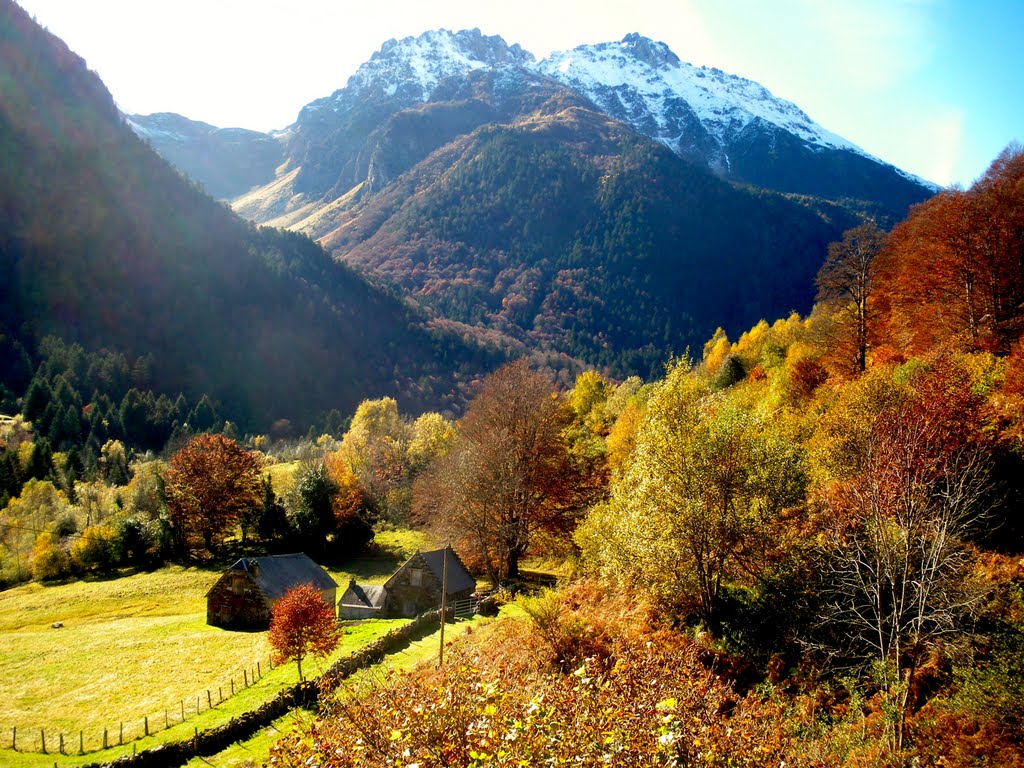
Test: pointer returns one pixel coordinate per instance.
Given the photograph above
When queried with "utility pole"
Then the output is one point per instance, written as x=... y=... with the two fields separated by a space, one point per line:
x=444 y=603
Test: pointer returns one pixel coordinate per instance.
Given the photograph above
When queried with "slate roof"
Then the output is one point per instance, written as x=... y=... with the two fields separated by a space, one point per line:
x=369 y=596
x=276 y=574
x=459 y=578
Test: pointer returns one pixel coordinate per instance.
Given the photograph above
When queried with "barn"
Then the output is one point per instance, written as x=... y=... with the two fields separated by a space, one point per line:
x=245 y=592
x=413 y=589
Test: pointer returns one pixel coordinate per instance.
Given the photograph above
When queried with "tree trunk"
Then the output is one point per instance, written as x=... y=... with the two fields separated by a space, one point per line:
x=512 y=564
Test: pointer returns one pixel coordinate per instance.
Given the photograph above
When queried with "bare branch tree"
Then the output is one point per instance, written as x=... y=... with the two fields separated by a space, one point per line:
x=901 y=578
x=509 y=474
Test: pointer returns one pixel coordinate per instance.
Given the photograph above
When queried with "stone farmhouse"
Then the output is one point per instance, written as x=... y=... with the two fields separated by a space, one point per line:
x=413 y=589
x=245 y=592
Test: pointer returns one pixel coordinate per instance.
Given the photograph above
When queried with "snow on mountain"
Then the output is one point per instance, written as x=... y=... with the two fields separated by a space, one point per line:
x=646 y=84
x=698 y=112
x=408 y=70
x=731 y=125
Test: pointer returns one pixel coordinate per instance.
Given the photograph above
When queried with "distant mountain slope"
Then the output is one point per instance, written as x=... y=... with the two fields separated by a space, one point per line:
x=500 y=198
x=227 y=162
x=610 y=203
x=568 y=232
x=734 y=126
x=102 y=243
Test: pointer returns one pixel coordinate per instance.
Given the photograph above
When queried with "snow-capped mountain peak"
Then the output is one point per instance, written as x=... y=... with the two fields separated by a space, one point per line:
x=408 y=70
x=732 y=125
x=644 y=83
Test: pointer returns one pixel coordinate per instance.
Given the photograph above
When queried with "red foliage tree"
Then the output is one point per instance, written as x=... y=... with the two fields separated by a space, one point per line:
x=209 y=484
x=302 y=623
x=952 y=271
x=846 y=282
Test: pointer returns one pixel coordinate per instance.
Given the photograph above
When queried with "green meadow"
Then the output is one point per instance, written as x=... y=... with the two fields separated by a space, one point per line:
x=135 y=652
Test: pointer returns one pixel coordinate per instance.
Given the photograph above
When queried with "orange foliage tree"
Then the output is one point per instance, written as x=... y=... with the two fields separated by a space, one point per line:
x=509 y=474
x=900 y=581
x=953 y=270
x=846 y=282
x=209 y=484
x=302 y=624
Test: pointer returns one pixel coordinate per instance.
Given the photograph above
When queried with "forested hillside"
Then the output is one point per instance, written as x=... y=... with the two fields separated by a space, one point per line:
x=566 y=231
x=105 y=246
x=783 y=552
x=798 y=540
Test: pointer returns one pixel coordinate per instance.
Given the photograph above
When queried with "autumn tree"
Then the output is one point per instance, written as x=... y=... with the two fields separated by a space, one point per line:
x=209 y=484
x=704 y=482
x=327 y=510
x=375 y=449
x=509 y=474
x=901 y=571
x=50 y=560
x=845 y=284
x=952 y=271
x=302 y=623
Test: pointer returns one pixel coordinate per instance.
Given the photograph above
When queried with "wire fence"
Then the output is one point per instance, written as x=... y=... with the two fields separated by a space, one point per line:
x=54 y=742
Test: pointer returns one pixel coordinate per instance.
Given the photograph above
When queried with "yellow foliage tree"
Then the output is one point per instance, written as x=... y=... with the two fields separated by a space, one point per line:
x=49 y=559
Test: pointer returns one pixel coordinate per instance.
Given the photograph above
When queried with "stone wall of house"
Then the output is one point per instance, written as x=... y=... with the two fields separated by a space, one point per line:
x=235 y=602
x=412 y=590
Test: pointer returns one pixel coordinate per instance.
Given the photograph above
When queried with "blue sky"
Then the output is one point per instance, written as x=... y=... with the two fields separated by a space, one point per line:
x=932 y=86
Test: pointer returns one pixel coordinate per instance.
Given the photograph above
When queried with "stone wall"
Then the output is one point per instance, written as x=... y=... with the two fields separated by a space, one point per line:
x=214 y=740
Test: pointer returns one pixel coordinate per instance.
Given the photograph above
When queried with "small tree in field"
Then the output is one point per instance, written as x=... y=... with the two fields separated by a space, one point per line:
x=302 y=623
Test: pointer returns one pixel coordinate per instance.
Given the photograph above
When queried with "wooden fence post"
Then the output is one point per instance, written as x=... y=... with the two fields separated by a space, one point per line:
x=61 y=748
x=183 y=710
x=209 y=699
x=81 y=742
x=120 y=738
x=167 y=722
x=42 y=738
x=145 y=724
x=220 y=694
x=14 y=739
x=105 y=744
x=259 y=671
x=245 y=677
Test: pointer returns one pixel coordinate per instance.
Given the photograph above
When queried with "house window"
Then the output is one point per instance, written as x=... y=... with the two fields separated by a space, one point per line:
x=415 y=577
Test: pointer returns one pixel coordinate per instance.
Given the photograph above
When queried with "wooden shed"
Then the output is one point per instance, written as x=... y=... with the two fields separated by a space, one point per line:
x=413 y=589
x=245 y=592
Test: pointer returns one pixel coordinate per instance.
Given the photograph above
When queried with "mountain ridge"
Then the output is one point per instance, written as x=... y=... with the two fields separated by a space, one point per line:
x=421 y=122
x=703 y=114
x=104 y=245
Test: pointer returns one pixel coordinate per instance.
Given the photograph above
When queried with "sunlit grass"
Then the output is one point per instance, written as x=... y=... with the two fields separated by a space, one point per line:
x=139 y=647
x=256 y=750
x=131 y=649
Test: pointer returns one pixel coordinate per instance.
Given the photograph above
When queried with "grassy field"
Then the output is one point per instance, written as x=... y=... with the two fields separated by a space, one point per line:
x=139 y=647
